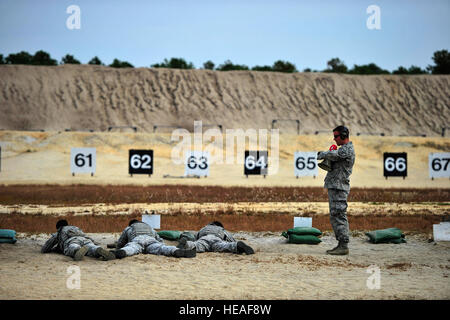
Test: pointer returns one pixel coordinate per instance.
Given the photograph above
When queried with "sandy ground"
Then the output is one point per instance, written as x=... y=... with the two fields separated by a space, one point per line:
x=416 y=270
x=292 y=208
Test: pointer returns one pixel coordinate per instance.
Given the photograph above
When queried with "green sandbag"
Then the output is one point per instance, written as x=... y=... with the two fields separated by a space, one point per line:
x=8 y=240
x=303 y=239
x=390 y=235
x=7 y=236
x=169 y=234
x=188 y=235
x=305 y=231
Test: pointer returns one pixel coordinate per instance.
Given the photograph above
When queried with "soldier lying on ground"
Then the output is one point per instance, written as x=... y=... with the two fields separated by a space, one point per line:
x=73 y=242
x=214 y=238
x=139 y=237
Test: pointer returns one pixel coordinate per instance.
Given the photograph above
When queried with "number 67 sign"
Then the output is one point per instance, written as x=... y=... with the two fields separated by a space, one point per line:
x=82 y=160
x=439 y=165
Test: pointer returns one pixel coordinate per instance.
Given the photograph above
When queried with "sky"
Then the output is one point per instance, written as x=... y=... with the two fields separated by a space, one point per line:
x=249 y=32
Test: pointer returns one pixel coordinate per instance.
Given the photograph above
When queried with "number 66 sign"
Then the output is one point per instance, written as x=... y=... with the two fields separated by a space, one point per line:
x=82 y=160
x=395 y=164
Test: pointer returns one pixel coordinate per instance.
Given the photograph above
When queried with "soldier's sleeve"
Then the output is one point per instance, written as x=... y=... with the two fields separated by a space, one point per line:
x=158 y=238
x=229 y=237
x=337 y=155
x=320 y=155
x=49 y=244
x=93 y=241
x=123 y=240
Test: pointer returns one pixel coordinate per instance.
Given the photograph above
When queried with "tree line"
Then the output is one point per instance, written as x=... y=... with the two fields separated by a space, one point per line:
x=441 y=65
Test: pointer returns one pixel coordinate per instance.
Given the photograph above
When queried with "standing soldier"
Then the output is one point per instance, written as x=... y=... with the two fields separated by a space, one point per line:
x=73 y=242
x=214 y=238
x=338 y=184
x=139 y=237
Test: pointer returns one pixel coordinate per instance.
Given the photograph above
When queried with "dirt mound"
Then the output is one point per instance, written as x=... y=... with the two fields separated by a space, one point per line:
x=95 y=97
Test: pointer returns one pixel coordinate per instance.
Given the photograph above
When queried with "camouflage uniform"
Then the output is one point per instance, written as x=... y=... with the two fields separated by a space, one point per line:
x=141 y=238
x=212 y=238
x=338 y=184
x=68 y=240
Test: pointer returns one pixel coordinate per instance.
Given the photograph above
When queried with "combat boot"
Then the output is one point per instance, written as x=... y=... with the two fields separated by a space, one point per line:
x=242 y=247
x=340 y=250
x=182 y=243
x=120 y=254
x=107 y=255
x=185 y=253
x=80 y=253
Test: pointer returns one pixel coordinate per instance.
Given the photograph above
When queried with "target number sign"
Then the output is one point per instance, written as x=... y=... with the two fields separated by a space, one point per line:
x=83 y=160
x=197 y=163
x=256 y=163
x=305 y=164
x=439 y=165
x=140 y=162
x=395 y=164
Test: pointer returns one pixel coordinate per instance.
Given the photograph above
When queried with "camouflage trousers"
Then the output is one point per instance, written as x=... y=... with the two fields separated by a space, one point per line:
x=148 y=244
x=338 y=213
x=73 y=244
x=212 y=243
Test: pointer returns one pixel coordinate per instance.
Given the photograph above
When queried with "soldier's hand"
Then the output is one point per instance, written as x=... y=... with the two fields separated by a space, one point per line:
x=319 y=155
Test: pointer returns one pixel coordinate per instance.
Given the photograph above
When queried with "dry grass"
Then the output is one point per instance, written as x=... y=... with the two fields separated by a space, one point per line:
x=84 y=194
x=243 y=222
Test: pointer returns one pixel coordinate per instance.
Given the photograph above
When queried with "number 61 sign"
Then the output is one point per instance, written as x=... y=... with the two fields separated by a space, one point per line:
x=82 y=160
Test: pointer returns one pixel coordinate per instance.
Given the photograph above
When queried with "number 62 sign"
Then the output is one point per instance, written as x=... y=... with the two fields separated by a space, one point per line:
x=140 y=162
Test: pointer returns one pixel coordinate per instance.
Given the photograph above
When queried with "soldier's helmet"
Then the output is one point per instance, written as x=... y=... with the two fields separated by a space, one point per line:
x=132 y=221
x=217 y=223
x=61 y=223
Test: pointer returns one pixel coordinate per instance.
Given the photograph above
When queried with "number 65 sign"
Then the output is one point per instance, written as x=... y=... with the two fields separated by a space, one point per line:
x=82 y=160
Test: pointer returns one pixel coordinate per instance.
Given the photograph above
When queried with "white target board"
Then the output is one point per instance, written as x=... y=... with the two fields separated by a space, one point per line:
x=82 y=160
x=302 y=222
x=197 y=163
x=305 y=164
x=439 y=165
x=153 y=220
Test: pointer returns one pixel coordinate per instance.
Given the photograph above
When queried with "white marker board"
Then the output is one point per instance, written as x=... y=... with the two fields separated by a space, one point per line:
x=197 y=163
x=305 y=164
x=441 y=232
x=83 y=160
x=439 y=165
x=302 y=222
x=153 y=220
